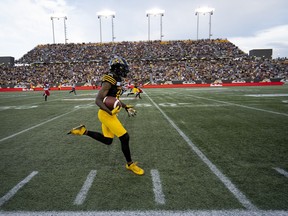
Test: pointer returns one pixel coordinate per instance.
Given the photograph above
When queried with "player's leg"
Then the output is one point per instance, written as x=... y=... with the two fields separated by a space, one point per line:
x=130 y=165
x=124 y=139
x=47 y=93
x=138 y=95
x=99 y=137
x=116 y=127
x=81 y=130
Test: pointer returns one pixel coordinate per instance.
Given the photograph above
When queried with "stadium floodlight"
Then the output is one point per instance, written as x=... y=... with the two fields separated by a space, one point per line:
x=106 y=14
x=155 y=12
x=204 y=10
x=59 y=16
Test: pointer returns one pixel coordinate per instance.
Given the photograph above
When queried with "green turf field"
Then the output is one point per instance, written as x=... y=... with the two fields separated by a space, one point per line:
x=204 y=150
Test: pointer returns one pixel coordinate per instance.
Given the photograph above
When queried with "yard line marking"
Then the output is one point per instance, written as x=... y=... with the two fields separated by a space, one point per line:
x=239 y=105
x=14 y=190
x=148 y=213
x=35 y=126
x=157 y=187
x=80 y=198
x=225 y=180
x=267 y=95
x=281 y=171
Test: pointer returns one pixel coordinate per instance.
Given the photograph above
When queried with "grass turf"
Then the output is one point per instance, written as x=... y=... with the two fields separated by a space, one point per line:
x=244 y=136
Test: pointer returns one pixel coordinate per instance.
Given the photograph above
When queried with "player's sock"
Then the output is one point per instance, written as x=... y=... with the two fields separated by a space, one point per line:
x=125 y=146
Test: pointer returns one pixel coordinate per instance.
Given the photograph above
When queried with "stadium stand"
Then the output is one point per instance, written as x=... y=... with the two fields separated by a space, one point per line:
x=154 y=62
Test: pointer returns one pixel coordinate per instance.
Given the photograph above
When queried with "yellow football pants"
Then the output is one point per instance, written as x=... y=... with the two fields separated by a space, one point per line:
x=110 y=124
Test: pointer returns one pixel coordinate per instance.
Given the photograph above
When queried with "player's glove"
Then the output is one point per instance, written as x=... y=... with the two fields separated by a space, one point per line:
x=130 y=110
x=116 y=110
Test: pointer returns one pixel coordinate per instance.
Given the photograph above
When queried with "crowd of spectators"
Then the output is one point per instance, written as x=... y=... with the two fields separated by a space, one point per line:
x=189 y=61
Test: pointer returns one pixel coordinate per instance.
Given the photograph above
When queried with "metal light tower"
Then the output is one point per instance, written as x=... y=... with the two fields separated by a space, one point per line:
x=203 y=11
x=65 y=28
x=155 y=12
x=52 y=19
x=106 y=14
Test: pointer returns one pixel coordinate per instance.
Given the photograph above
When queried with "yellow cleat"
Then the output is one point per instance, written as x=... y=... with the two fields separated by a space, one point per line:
x=134 y=168
x=80 y=130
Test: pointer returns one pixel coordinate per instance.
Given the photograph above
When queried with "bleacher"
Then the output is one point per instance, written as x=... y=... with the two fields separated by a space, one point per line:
x=186 y=61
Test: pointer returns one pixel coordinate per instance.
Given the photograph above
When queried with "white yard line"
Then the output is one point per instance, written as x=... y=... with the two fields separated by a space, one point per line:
x=148 y=213
x=80 y=198
x=239 y=105
x=14 y=190
x=267 y=95
x=157 y=187
x=35 y=126
x=281 y=171
x=225 y=180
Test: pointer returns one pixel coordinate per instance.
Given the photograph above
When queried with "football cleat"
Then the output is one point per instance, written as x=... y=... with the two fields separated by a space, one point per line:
x=80 y=130
x=135 y=169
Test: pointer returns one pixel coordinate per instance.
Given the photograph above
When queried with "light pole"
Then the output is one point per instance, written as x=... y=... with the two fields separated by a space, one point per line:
x=155 y=12
x=204 y=10
x=106 y=14
x=65 y=28
x=53 y=29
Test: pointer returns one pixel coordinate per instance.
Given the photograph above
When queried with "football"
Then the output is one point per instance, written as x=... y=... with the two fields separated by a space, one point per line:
x=111 y=102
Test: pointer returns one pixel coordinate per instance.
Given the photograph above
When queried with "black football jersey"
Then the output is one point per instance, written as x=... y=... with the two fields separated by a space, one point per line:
x=115 y=90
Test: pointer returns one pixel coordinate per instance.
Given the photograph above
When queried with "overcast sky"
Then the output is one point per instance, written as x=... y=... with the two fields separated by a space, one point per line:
x=249 y=24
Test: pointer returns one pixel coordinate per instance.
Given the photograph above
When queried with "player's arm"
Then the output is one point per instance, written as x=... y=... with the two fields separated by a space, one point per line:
x=101 y=95
x=123 y=104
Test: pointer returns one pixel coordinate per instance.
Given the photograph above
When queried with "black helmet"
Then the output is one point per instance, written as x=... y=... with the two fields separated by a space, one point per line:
x=119 y=66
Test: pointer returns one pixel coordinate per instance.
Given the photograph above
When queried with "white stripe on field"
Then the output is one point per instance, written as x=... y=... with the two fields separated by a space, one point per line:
x=14 y=190
x=225 y=180
x=157 y=187
x=281 y=171
x=239 y=105
x=35 y=126
x=80 y=198
x=148 y=213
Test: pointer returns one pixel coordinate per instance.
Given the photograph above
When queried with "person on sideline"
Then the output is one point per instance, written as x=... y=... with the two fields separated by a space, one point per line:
x=46 y=90
x=73 y=88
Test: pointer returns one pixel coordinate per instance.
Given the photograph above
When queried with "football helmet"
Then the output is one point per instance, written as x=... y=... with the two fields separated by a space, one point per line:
x=119 y=66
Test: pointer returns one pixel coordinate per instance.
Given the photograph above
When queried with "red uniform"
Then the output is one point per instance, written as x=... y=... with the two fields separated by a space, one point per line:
x=46 y=89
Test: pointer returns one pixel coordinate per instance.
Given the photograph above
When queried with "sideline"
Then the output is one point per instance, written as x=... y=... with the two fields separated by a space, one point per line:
x=148 y=213
x=225 y=180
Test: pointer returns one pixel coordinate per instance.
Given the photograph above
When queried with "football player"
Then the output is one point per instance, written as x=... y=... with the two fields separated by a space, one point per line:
x=111 y=126
x=136 y=91
x=46 y=90
x=73 y=88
